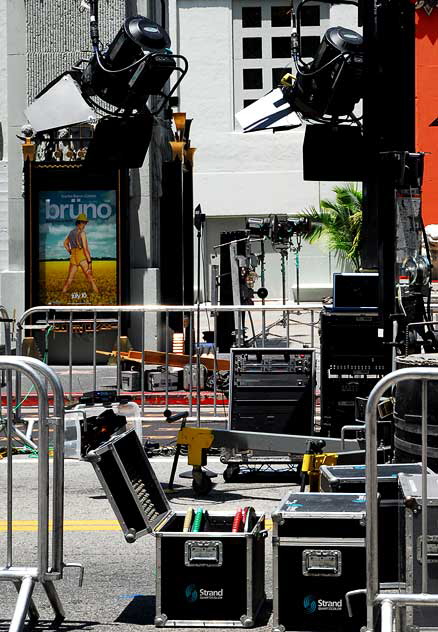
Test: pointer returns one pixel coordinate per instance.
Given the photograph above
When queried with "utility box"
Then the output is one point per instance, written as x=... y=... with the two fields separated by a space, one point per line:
x=194 y=382
x=159 y=381
x=351 y=478
x=212 y=578
x=130 y=381
x=318 y=556
x=418 y=618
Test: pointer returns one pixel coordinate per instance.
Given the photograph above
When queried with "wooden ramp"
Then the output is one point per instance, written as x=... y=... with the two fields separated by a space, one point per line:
x=173 y=359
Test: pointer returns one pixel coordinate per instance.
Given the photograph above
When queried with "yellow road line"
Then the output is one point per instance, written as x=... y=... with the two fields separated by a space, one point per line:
x=66 y=522
x=79 y=525
x=69 y=525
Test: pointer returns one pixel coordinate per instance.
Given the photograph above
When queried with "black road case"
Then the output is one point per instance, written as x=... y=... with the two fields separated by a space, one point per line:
x=424 y=618
x=340 y=478
x=351 y=478
x=318 y=556
x=272 y=390
x=214 y=578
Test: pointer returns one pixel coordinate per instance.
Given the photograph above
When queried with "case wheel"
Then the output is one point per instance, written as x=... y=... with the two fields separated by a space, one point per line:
x=247 y=622
x=231 y=472
x=160 y=620
x=201 y=483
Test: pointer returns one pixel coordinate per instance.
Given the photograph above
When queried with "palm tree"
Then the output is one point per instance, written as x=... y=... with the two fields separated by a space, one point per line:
x=340 y=222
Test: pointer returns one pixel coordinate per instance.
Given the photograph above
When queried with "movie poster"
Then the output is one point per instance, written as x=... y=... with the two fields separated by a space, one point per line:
x=78 y=248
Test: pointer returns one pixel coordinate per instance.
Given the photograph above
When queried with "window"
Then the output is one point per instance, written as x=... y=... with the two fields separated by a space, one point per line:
x=280 y=16
x=252 y=47
x=252 y=79
x=251 y=17
x=277 y=74
x=281 y=47
x=310 y=15
x=261 y=44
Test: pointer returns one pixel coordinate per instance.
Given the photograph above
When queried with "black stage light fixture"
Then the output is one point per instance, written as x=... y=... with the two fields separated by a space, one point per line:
x=331 y=85
x=279 y=230
x=137 y=64
x=283 y=229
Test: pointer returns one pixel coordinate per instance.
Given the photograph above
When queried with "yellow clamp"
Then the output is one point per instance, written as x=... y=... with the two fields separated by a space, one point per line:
x=287 y=80
x=311 y=465
x=197 y=440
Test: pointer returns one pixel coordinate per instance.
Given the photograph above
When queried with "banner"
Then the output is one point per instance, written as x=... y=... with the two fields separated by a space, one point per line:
x=77 y=254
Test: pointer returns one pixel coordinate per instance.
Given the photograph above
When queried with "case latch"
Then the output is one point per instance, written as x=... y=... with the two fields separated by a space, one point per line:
x=322 y=562
x=203 y=553
x=432 y=548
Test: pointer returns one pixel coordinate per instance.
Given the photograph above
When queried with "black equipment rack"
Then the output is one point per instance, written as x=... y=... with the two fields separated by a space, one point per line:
x=271 y=391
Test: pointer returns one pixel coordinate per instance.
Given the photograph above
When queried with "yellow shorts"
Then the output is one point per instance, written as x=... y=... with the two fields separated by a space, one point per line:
x=77 y=255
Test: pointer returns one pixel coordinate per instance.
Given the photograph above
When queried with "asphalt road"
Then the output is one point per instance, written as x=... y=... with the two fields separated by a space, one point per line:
x=119 y=583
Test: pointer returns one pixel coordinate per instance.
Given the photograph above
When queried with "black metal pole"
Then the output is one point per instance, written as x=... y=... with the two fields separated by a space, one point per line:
x=389 y=128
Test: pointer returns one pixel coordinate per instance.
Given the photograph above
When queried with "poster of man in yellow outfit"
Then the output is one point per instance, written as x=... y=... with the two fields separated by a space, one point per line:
x=78 y=248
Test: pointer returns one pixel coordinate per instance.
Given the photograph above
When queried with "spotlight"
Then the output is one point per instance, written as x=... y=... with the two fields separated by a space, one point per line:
x=325 y=90
x=283 y=230
x=331 y=84
x=279 y=230
x=136 y=65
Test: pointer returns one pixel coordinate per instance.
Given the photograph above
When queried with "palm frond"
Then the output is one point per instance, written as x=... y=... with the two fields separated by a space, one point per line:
x=339 y=221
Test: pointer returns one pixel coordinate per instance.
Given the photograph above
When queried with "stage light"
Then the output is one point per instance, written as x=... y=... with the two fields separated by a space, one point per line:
x=279 y=230
x=331 y=85
x=325 y=90
x=136 y=65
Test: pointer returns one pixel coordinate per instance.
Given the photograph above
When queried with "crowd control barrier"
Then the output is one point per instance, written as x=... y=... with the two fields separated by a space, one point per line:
x=49 y=563
x=391 y=603
x=72 y=316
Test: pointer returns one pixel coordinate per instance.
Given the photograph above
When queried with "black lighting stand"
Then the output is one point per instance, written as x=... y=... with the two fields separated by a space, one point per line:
x=296 y=249
x=199 y=223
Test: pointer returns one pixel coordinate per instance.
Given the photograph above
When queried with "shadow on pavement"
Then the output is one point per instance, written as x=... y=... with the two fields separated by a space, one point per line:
x=140 y=611
x=63 y=626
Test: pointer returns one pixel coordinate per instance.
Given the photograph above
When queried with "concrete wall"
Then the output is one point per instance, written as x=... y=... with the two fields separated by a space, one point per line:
x=3 y=141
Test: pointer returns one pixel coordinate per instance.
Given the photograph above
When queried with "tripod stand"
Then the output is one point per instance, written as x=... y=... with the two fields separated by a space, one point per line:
x=283 y=248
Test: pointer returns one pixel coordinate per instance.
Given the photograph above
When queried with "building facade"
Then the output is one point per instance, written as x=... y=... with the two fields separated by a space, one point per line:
x=237 y=51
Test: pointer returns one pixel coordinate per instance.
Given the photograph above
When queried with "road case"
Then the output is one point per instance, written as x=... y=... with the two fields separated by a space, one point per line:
x=419 y=619
x=318 y=556
x=340 y=478
x=272 y=390
x=351 y=478
x=214 y=578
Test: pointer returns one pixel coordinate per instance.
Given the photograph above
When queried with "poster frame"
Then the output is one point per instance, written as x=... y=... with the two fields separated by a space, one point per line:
x=72 y=176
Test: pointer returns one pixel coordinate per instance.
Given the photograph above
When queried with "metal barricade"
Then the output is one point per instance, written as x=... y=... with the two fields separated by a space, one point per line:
x=49 y=563
x=194 y=315
x=391 y=602
x=4 y=318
